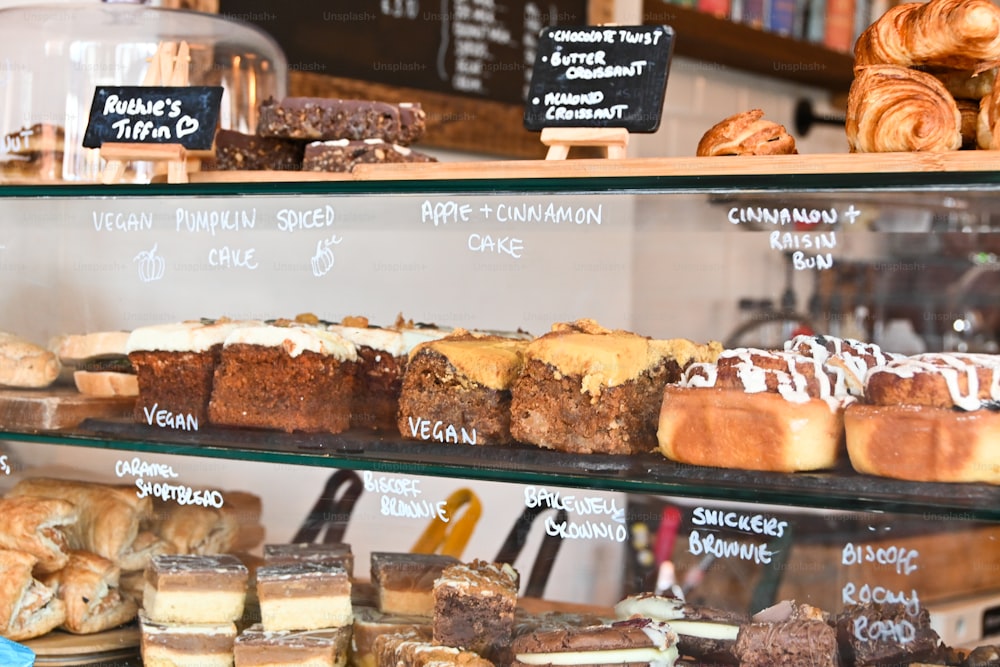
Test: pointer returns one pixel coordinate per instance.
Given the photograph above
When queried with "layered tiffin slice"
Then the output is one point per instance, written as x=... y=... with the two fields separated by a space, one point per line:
x=257 y=647
x=165 y=644
x=303 y=596
x=404 y=582
x=191 y=588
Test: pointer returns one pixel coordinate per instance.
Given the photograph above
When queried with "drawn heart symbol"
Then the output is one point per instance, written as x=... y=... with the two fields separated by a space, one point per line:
x=186 y=125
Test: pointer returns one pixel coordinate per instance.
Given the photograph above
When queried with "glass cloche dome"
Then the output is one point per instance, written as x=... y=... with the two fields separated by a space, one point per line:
x=53 y=56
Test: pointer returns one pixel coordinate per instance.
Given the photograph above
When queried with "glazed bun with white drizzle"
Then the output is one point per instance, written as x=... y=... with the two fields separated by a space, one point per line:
x=772 y=410
x=930 y=417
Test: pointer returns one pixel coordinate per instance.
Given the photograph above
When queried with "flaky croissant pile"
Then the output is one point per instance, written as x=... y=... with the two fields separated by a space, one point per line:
x=921 y=71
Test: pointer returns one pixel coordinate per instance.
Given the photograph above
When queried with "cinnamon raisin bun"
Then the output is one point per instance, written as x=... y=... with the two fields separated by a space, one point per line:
x=929 y=417
x=756 y=410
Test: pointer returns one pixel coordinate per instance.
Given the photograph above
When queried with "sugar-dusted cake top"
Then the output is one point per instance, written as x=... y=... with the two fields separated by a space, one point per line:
x=608 y=358
x=492 y=361
x=185 y=336
x=295 y=339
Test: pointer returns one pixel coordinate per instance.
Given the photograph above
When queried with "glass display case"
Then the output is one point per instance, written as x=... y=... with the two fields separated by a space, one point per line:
x=906 y=260
x=54 y=56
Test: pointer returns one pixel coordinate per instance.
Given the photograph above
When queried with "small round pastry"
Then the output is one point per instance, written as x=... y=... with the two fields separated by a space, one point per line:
x=931 y=418
x=747 y=133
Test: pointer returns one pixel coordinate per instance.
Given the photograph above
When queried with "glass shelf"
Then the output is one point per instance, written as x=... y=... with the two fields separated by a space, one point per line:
x=839 y=489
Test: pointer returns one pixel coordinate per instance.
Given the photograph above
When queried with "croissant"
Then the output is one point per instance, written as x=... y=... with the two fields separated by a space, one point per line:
x=746 y=133
x=957 y=34
x=892 y=108
x=987 y=131
x=966 y=84
x=969 y=110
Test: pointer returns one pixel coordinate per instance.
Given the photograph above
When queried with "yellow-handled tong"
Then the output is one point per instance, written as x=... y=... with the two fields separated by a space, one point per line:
x=448 y=533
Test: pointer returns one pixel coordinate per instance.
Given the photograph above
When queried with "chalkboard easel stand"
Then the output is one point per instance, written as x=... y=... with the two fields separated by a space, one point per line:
x=614 y=140
x=169 y=66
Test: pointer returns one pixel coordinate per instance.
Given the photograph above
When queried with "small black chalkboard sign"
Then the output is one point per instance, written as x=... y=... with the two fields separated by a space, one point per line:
x=600 y=76
x=185 y=115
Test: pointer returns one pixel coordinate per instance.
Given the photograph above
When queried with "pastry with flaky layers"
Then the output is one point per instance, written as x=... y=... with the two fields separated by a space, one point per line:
x=587 y=389
x=929 y=417
x=28 y=608
x=88 y=586
x=756 y=410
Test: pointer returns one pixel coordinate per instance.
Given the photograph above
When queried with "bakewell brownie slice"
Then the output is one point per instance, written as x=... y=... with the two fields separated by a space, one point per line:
x=404 y=582
x=257 y=647
x=587 y=389
x=457 y=389
x=175 y=365
x=189 y=588
x=287 y=378
x=303 y=596
x=474 y=607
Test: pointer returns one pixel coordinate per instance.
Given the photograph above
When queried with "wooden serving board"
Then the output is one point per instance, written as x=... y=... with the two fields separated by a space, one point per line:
x=831 y=163
x=63 y=648
x=56 y=408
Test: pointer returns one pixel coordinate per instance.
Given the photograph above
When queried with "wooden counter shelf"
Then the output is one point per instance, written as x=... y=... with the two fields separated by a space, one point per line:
x=834 y=163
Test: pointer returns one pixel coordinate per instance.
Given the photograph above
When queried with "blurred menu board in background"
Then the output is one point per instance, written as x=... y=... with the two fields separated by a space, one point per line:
x=478 y=48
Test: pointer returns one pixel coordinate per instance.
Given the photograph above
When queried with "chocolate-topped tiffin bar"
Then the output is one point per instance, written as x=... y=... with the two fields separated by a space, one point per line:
x=341 y=155
x=303 y=596
x=189 y=588
x=323 y=119
x=238 y=151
